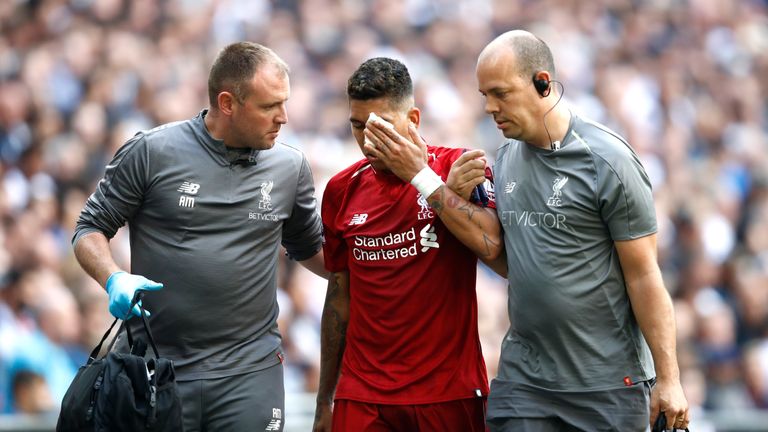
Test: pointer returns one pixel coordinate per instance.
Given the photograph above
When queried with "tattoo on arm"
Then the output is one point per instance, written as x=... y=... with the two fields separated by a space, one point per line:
x=488 y=242
x=436 y=199
x=336 y=317
x=333 y=334
x=484 y=247
x=468 y=208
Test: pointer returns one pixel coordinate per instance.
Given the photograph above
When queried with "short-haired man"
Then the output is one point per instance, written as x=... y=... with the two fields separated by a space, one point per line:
x=399 y=327
x=208 y=202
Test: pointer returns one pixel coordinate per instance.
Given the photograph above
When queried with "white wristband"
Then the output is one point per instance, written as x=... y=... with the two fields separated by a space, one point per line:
x=427 y=182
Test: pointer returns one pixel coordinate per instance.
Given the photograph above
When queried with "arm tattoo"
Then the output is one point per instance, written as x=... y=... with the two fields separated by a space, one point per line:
x=468 y=208
x=436 y=199
x=439 y=197
x=487 y=241
x=333 y=336
x=336 y=339
x=440 y=200
x=336 y=324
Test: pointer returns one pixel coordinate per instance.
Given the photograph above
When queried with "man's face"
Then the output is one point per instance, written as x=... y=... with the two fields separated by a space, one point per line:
x=359 y=110
x=257 y=120
x=509 y=98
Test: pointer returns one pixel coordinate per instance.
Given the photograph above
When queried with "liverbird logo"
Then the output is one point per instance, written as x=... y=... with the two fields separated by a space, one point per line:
x=266 y=200
x=425 y=212
x=557 y=192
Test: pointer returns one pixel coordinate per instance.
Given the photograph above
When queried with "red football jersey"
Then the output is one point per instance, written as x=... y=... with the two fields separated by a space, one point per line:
x=412 y=334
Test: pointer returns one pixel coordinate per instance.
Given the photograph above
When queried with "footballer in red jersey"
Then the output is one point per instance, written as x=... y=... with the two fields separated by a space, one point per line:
x=400 y=346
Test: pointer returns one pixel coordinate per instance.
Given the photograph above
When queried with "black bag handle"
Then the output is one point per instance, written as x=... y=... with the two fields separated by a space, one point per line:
x=95 y=352
x=138 y=296
x=661 y=424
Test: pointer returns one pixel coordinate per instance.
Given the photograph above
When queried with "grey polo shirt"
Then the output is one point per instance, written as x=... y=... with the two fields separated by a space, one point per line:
x=572 y=327
x=208 y=223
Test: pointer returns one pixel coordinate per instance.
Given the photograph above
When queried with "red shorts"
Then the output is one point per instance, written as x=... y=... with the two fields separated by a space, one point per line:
x=463 y=415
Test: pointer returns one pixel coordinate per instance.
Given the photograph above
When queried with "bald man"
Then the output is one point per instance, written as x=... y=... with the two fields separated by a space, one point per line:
x=591 y=345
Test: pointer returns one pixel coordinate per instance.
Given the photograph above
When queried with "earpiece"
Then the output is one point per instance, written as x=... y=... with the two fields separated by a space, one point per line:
x=541 y=85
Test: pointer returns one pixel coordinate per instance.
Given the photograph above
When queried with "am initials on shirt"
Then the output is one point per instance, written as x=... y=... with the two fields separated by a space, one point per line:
x=274 y=424
x=186 y=201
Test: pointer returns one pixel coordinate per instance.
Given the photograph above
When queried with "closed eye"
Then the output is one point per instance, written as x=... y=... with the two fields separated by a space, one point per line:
x=271 y=106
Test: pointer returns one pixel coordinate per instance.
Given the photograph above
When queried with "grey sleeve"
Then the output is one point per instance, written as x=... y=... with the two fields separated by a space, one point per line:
x=302 y=232
x=118 y=194
x=625 y=198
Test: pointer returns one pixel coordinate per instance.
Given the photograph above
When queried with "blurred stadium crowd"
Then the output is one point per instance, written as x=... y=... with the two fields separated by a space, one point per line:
x=684 y=80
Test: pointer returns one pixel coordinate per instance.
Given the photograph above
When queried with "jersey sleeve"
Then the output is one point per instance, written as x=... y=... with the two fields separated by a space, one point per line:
x=625 y=198
x=302 y=235
x=335 y=249
x=119 y=193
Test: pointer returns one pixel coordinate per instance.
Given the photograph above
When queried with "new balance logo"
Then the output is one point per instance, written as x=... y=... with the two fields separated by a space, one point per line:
x=359 y=219
x=274 y=424
x=189 y=188
x=428 y=238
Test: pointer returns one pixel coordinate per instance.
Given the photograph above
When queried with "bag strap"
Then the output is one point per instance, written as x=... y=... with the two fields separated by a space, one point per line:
x=138 y=296
x=95 y=352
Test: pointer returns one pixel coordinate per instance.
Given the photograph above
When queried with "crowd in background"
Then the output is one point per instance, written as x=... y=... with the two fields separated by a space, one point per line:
x=685 y=81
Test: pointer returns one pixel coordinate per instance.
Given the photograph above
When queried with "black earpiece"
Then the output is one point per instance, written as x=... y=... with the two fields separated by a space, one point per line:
x=541 y=85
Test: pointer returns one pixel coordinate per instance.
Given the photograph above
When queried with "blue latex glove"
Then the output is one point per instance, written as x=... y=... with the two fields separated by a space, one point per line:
x=121 y=287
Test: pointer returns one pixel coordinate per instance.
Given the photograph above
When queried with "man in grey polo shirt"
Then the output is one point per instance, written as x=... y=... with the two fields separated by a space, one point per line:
x=208 y=202
x=586 y=297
